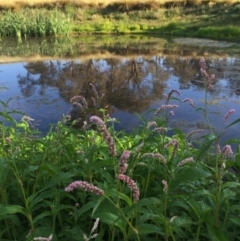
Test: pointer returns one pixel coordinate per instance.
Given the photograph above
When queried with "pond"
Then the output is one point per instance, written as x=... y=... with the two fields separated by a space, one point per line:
x=131 y=73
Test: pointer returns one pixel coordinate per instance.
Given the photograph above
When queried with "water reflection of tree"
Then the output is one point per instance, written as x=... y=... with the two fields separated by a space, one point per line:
x=128 y=84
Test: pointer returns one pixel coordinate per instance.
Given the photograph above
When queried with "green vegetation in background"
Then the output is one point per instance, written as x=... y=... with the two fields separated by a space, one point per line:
x=37 y=22
x=143 y=185
x=210 y=20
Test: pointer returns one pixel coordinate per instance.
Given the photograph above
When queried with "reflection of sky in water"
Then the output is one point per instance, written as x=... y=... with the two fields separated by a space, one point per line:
x=49 y=107
x=43 y=108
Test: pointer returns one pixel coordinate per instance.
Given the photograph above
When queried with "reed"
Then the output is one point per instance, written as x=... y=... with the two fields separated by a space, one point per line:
x=38 y=22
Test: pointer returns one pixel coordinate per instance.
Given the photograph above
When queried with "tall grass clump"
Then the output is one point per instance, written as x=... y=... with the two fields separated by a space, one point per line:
x=27 y=22
x=224 y=32
x=94 y=183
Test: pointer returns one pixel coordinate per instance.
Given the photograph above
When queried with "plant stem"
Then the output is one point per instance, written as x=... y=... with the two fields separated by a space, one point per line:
x=123 y=215
x=198 y=232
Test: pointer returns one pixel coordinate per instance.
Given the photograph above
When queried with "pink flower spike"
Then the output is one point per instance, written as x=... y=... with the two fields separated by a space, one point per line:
x=84 y=185
x=175 y=91
x=123 y=161
x=232 y=111
x=131 y=184
x=227 y=150
x=171 y=113
x=165 y=186
x=189 y=101
x=202 y=63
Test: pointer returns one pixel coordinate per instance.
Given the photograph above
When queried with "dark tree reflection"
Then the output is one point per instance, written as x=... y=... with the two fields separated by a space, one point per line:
x=128 y=84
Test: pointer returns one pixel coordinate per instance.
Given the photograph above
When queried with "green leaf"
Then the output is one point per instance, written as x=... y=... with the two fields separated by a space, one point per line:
x=206 y=145
x=148 y=201
x=215 y=233
x=187 y=174
x=235 y=220
x=233 y=123
x=11 y=209
x=41 y=216
x=97 y=204
x=200 y=109
x=230 y=184
x=226 y=194
x=116 y=194
x=112 y=219
x=182 y=221
x=88 y=206
x=234 y=208
x=144 y=229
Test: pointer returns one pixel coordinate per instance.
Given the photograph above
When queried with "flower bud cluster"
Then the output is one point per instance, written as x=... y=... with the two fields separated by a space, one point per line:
x=106 y=135
x=78 y=98
x=123 y=162
x=165 y=186
x=160 y=129
x=230 y=112
x=84 y=185
x=131 y=184
x=164 y=107
x=190 y=101
x=226 y=151
x=183 y=162
x=171 y=113
x=151 y=123
x=173 y=143
x=43 y=239
x=156 y=155
x=193 y=132
x=94 y=90
x=203 y=71
x=170 y=94
x=92 y=235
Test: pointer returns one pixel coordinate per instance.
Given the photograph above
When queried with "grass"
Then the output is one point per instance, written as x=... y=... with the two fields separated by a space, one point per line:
x=94 y=183
x=145 y=17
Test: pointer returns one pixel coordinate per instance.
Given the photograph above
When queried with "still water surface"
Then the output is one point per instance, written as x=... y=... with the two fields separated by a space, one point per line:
x=40 y=76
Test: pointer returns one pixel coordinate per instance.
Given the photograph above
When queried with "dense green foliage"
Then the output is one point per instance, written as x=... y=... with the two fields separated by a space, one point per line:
x=186 y=192
x=213 y=20
x=27 y=22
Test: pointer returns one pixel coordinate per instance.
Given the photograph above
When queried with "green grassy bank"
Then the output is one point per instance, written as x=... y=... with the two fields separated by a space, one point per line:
x=213 y=20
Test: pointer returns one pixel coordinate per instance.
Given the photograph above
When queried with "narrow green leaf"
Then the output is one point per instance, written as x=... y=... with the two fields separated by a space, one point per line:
x=200 y=109
x=148 y=201
x=186 y=174
x=116 y=194
x=215 y=233
x=88 y=206
x=230 y=184
x=43 y=195
x=235 y=220
x=112 y=219
x=11 y=209
x=97 y=204
x=195 y=207
x=233 y=123
x=206 y=146
x=144 y=229
x=41 y=216
x=226 y=194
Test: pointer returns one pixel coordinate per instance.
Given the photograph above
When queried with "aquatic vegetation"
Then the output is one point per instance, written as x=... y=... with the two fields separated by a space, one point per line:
x=143 y=185
x=29 y=22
